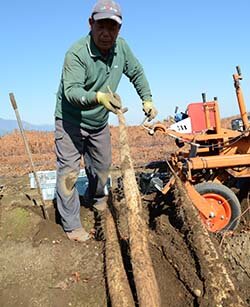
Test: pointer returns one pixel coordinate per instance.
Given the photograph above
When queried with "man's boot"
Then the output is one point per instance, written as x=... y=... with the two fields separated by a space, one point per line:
x=79 y=235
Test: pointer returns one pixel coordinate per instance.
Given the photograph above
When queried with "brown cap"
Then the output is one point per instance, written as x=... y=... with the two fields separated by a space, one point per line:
x=106 y=9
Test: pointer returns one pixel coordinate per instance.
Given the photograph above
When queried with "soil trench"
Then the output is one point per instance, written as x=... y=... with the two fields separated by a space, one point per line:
x=39 y=266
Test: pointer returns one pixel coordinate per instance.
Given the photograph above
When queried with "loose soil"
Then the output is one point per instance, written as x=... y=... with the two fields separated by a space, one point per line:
x=39 y=266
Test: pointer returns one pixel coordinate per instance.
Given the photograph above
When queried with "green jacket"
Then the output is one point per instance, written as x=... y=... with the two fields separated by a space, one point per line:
x=85 y=72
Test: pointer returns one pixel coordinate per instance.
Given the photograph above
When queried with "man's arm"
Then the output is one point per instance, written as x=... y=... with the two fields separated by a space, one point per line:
x=74 y=74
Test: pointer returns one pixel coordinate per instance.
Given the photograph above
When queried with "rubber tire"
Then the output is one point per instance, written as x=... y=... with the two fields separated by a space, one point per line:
x=222 y=190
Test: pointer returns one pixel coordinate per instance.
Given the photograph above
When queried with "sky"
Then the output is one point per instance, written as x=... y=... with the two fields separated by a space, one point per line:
x=186 y=48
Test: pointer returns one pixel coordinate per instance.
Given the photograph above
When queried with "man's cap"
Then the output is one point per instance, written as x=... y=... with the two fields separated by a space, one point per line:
x=106 y=9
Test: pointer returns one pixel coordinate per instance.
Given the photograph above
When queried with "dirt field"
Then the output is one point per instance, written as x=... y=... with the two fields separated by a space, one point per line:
x=39 y=266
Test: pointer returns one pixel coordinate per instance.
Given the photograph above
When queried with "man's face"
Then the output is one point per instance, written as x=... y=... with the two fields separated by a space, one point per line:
x=104 y=33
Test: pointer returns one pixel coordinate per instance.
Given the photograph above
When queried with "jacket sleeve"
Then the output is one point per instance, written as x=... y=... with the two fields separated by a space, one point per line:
x=134 y=71
x=74 y=75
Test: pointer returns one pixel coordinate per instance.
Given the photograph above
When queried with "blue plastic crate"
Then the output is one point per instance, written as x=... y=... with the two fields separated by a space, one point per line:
x=47 y=181
x=44 y=177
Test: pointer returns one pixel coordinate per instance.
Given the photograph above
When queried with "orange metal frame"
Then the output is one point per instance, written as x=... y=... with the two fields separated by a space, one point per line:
x=227 y=148
x=233 y=146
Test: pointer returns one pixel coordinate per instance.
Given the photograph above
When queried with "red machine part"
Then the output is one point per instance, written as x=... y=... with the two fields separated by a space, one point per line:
x=197 y=114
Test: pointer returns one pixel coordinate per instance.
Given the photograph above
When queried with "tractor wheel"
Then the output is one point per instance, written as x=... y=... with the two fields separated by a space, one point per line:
x=226 y=206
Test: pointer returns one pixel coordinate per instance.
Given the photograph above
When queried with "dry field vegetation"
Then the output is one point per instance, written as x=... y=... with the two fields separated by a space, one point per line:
x=14 y=161
x=144 y=148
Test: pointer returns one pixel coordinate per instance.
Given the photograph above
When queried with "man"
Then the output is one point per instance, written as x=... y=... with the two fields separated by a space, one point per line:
x=92 y=68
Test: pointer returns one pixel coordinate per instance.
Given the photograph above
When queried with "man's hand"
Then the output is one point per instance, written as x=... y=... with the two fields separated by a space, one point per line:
x=112 y=102
x=149 y=109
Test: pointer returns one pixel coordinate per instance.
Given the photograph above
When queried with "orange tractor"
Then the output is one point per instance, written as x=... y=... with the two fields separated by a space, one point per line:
x=212 y=163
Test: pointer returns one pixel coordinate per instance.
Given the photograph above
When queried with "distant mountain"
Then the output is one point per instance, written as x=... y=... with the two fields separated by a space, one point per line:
x=8 y=125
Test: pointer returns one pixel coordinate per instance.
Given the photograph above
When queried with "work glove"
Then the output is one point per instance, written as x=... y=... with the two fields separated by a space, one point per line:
x=149 y=109
x=110 y=101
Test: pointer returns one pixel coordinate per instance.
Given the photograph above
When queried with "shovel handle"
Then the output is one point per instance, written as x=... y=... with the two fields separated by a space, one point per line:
x=13 y=101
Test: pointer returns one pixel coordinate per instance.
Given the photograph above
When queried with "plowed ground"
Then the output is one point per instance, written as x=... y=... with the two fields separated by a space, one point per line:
x=39 y=266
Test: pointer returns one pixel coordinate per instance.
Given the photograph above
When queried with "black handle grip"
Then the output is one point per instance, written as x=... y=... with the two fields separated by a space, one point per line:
x=13 y=101
x=203 y=97
x=238 y=70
